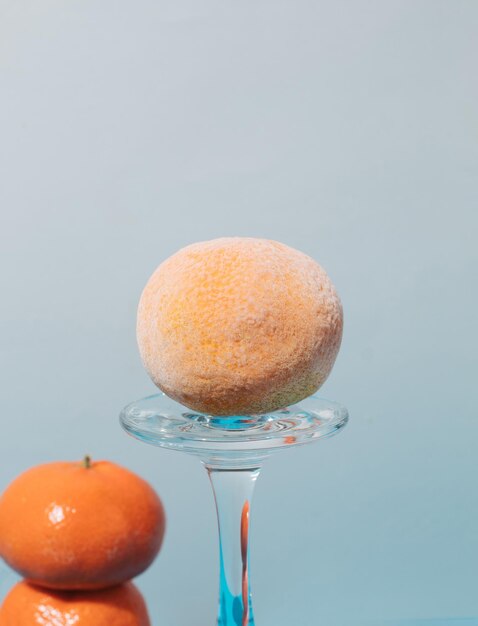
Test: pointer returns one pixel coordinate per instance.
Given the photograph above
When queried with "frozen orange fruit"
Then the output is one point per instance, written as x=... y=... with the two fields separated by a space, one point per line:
x=235 y=326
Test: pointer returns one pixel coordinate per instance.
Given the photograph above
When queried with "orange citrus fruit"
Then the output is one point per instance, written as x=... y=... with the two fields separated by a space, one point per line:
x=80 y=525
x=27 y=605
x=239 y=325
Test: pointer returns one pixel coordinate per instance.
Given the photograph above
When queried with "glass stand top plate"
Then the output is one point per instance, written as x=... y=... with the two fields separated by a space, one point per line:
x=161 y=421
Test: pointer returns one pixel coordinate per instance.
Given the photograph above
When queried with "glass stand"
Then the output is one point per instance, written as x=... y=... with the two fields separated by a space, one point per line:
x=232 y=449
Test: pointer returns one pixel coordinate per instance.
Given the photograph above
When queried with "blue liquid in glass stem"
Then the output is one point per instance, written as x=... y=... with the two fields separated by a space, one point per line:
x=233 y=492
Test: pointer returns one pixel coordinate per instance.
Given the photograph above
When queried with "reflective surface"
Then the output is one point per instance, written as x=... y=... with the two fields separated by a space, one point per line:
x=233 y=494
x=232 y=450
x=231 y=441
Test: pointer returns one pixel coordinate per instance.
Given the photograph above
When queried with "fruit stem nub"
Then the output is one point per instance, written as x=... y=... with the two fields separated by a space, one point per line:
x=86 y=461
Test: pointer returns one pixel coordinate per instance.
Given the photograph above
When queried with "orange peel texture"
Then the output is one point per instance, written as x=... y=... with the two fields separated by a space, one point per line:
x=238 y=326
x=67 y=526
x=27 y=605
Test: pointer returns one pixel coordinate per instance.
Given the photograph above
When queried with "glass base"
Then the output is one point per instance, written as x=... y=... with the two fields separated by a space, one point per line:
x=231 y=442
x=232 y=450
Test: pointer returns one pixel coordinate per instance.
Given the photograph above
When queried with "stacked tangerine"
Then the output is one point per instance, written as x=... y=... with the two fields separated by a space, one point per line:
x=78 y=533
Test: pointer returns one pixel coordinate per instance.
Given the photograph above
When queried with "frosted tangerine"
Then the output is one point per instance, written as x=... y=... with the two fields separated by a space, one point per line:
x=239 y=325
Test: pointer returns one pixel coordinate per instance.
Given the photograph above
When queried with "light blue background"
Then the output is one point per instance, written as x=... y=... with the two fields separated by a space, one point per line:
x=346 y=129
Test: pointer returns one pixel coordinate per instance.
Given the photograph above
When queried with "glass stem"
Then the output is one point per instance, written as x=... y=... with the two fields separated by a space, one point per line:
x=233 y=492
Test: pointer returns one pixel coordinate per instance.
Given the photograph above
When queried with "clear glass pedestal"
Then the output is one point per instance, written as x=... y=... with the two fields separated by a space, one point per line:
x=232 y=449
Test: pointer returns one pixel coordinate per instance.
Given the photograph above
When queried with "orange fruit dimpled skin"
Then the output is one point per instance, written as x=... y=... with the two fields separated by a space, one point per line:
x=27 y=605
x=80 y=526
x=239 y=325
